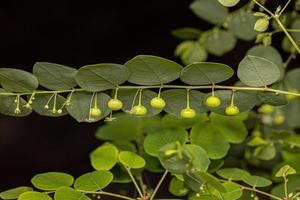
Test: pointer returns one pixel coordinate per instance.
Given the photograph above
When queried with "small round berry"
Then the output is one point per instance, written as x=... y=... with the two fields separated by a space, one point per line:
x=30 y=101
x=266 y=109
x=139 y=110
x=59 y=111
x=95 y=112
x=290 y=97
x=54 y=111
x=158 y=103
x=68 y=102
x=232 y=110
x=188 y=113
x=278 y=119
x=115 y=104
x=213 y=102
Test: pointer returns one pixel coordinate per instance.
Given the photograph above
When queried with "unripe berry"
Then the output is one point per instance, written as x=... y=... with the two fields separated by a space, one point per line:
x=59 y=111
x=291 y=97
x=261 y=25
x=139 y=110
x=266 y=109
x=278 y=119
x=158 y=103
x=95 y=112
x=115 y=104
x=188 y=113
x=232 y=110
x=213 y=102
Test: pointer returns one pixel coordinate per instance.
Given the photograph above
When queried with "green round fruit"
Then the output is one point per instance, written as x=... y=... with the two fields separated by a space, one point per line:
x=232 y=110
x=188 y=113
x=278 y=119
x=115 y=104
x=266 y=109
x=213 y=102
x=290 y=97
x=95 y=112
x=157 y=103
x=139 y=110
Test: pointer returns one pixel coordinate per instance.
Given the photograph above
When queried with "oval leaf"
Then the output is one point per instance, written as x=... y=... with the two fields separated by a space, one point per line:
x=66 y=193
x=55 y=76
x=16 y=80
x=234 y=174
x=14 y=193
x=256 y=71
x=205 y=73
x=101 y=77
x=93 y=181
x=104 y=157
x=34 y=196
x=229 y=3
x=257 y=181
x=52 y=180
x=152 y=70
x=131 y=160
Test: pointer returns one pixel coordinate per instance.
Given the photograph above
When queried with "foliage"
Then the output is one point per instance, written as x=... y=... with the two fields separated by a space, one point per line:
x=216 y=141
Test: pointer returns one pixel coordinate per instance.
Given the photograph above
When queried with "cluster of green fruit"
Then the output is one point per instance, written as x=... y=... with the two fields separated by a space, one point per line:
x=159 y=103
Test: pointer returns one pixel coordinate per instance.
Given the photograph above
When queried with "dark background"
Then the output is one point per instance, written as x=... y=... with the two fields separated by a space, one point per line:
x=76 y=33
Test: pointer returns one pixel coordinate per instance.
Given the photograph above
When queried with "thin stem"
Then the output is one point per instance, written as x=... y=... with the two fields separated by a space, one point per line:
x=134 y=182
x=159 y=184
x=116 y=94
x=261 y=192
x=285 y=186
x=296 y=195
x=293 y=30
x=263 y=7
x=188 y=98
x=295 y=45
x=288 y=60
x=140 y=98
x=285 y=6
x=107 y=194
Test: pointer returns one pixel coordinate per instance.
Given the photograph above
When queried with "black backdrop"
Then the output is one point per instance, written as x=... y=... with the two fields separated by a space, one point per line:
x=76 y=33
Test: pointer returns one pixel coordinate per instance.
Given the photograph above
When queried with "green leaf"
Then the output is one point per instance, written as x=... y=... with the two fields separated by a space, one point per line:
x=155 y=141
x=256 y=71
x=296 y=25
x=211 y=180
x=292 y=187
x=234 y=191
x=93 y=181
x=65 y=193
x=42 y=99
x=193 y=181
x=8 y=106
x=241 y=25
x=234 y=174
x=267 y=152
x=233 y=128
x=199 y=157
x=152 y=70
x=285 y=171
x=176 y=101
x=52 y=180
x=125 y=145
x=218 y=42
x=272 y=98
x=101 y=77
x=257 y=181
x=14 y=193
x=34 y=196
x=245 y=101
x=292 y=79
x=152 y=163
x=16 y=80
x=210 y=139
x=104 y=157
x=205 y=73
x=190 y=52
x=229 y=3
x=291 y=113
x=178 y=187
x=209 y=10
x=81 y=104
x=120 y=174
x=131 y=160
x=55 y=76
x=187 y=33
x=171 y=121
x=269 y=53
x=178 y=161
x=131 y=128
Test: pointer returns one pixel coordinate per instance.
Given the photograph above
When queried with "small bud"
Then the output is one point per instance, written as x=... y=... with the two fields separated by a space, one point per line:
x=46 y=107
x=261 y=25
x=59 y=111
x=27 y=106
x=17 y=111
x=54 y=111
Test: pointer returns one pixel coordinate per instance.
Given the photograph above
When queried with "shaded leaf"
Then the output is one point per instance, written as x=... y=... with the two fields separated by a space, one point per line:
x=131 y=160
x=15 y=192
